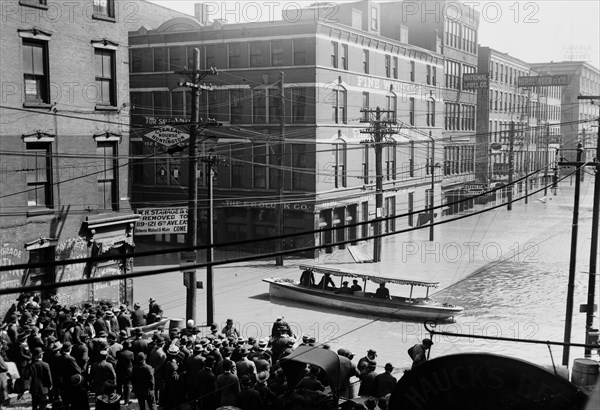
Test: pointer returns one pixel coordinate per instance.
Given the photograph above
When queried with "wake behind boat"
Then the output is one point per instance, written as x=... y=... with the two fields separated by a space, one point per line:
x=377 y=302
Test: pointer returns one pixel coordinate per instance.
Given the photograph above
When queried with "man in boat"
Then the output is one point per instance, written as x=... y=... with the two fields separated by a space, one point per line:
x=418 y=352
x=344 y=289
x=307 y=278
x=326 y=283
x=382 y=292
x=355 y=286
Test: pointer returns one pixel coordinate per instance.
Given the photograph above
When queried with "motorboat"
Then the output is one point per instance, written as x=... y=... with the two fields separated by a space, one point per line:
x=370 y=302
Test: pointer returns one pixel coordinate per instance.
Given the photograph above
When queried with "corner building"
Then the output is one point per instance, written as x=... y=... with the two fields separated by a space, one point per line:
x=332 y=70
x=64 y=143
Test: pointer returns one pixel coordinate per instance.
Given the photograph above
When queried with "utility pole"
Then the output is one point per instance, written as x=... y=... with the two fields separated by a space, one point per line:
x=195 y=75
x=378 y=130
x=591 y=297
x=511 y=163
x=573 y=261
x=547 y=159
x=279 y=258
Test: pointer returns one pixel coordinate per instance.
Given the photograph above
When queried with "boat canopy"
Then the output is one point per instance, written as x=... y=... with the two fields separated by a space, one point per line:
x=376 y=279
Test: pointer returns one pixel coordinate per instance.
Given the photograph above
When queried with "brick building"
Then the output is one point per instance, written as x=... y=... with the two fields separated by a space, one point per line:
x=535 y=113
x=576 y=114
x=332 y=70
x=64 y=141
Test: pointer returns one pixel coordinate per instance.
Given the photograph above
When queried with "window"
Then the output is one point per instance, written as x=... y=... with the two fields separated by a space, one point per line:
x=107 y=180
x=366 y=61
x=259 y=106
x=299 y=104
x=428 y=75
x=430 y=113
x=35 y=71
x=388 y=66
x=260 y=170
x=411 y=159
x=365 y=101
x=105 y=78
x=178 y=105
x=345 y=56
x=277 y=53
x=433 y=75
x=39 y=175
x=235 y=55
x=392 y=105
x=236 y=98
x=141 y=60
x=334 y=54
x=338 y=108
x=395 y=68
x=104 y=8
x=412 y=71
x=374 y=18
x=389 y=156
x=161 y=103
x=299 y=175
x=340 y=164
x=176 y=58
x=411 y=111
x=451 y=117
x=452 y=74
x=274 y=105
x=299 y=51
x=411 y=200
x=160 y=59
x=258 y=54
x=210 y=56
x=501 y=73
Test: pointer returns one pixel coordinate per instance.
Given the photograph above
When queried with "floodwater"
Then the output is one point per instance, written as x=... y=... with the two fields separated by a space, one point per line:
x=509 y=270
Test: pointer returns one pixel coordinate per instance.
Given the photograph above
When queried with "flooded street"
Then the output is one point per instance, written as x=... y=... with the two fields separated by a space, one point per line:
x=509 y=270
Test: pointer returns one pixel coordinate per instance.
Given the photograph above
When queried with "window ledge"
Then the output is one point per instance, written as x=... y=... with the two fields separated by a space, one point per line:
x=104 y=18
x=106 y=108
x=40 y=212
x=37 y=105
x=33 y=3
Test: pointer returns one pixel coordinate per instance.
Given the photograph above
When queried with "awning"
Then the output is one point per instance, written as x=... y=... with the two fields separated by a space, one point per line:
x=111 y=231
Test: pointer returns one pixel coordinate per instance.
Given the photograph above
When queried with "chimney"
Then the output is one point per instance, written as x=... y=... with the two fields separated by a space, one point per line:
x=203 y=12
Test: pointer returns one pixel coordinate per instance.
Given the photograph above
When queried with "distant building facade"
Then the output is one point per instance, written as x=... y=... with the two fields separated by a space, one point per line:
x=535 y=114
x=64 y=191
x=332 y=71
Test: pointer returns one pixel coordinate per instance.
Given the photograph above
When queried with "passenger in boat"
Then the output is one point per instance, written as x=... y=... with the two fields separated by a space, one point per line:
x=345 y=290
x=355 y=286
x=382 y=292
x=326 y=282
x=307 y=278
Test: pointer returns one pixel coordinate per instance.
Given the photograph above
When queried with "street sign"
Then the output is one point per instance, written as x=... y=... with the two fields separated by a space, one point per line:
x=167 y=136
x=543 y=81
x=475 y=81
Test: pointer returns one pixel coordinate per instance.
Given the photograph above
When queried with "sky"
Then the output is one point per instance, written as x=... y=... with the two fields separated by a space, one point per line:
x=533 y=31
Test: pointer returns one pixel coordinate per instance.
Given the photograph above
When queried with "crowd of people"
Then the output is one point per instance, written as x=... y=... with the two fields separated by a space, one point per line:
x=69 y=356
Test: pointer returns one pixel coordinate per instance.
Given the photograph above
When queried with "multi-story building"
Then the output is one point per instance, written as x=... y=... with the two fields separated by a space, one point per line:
x=332 y=70
x=577 y=115
x=533 y=113
x=451 y=29
x=64 y=141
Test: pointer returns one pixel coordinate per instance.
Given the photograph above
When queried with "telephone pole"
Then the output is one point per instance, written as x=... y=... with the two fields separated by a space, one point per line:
x=378 y=130
x=195 y=75
x=573 y=257
x=547 y=159
x=511 y=163
x=279 y=258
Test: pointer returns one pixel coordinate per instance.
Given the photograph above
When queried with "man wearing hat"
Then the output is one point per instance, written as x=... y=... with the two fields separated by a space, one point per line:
x=419 y=352
x=142 y=382
x=157 y=359
x=113 y=348
x=154 y=311
x=345 y=290
x=244 y=365
x=368 y=386
x=385 y=381
x=66 y=368
x=173 y=390
x=112 y=324
x=193 y=365
x=40 y=380
x=248 y=397
x=124 y=319
x=229 y=330
x=362 y=363
x=139 y=344
x=138 y=316
x=355 y=286
x=228 y=385
x=101 y=373
x=207 y=382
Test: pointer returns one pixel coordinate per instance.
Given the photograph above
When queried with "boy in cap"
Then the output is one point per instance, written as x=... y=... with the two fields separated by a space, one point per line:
x=40 y=380
x=138 y=316
x=230 y=330
x=142 y=378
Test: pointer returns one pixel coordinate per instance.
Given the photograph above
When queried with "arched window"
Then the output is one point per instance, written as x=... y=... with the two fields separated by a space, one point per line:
x=339 y=168
x=339 y=105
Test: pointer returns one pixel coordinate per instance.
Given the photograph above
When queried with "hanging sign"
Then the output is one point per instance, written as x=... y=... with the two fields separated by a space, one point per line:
x=167 y=136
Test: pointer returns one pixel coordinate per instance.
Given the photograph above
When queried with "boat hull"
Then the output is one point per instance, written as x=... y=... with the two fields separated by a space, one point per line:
x=399 y=308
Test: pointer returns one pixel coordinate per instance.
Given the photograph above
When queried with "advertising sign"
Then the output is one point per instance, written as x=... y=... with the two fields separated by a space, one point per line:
x=167 y=136
x=161 y=221
x=543 y=81
x=475 y=81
